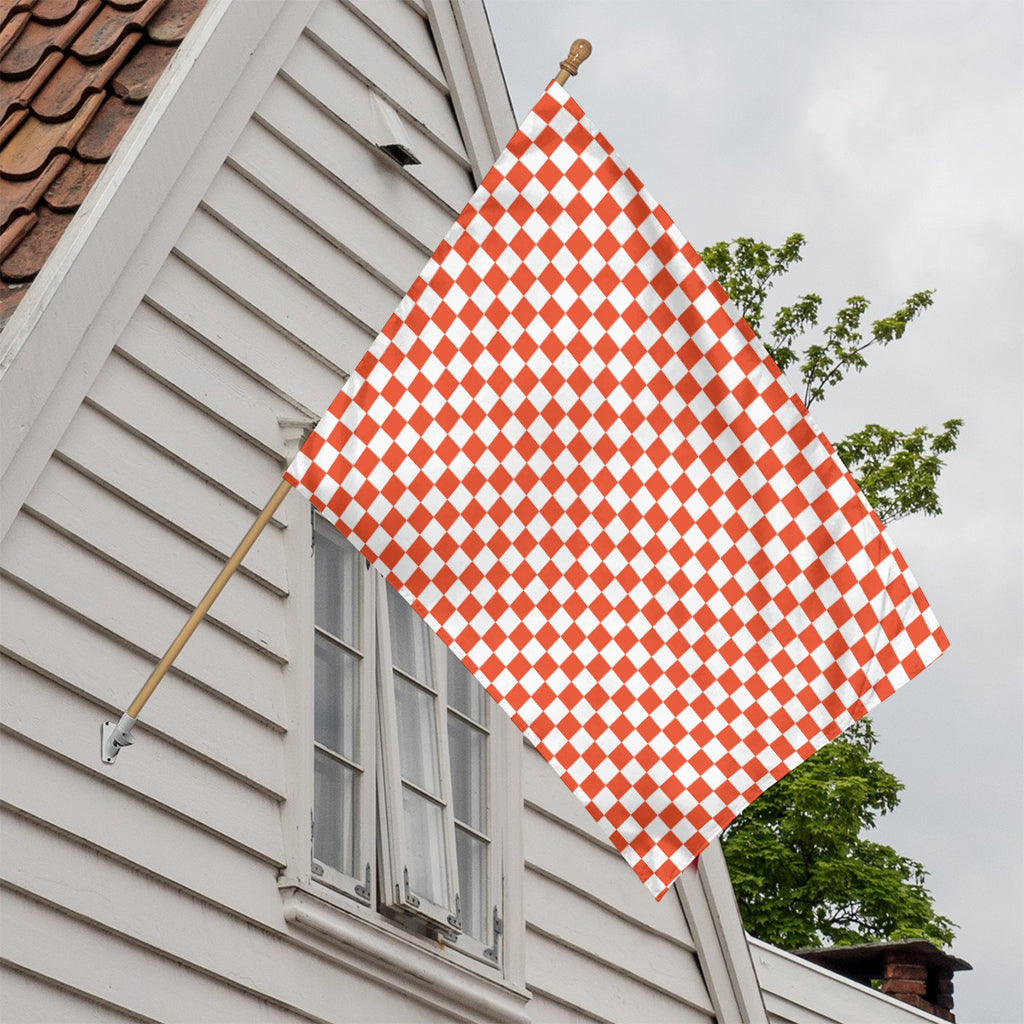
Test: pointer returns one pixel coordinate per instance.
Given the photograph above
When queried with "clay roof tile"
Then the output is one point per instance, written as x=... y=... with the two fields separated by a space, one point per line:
x=73 y=75
x=174 y=20
x=19 y=94
x=15 y=232
x=39 y=38
x=135 y=81
x=54 y=11
x=18 y=197
x=71 y=187
x=106 y=129
x=29 y=149
x=11 y=29
x=110 y=25
x=30 y=254
x=73 y=80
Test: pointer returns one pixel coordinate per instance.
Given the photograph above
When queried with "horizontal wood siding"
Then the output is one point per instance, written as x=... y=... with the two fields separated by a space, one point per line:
x=149 y=891
x=597 y=943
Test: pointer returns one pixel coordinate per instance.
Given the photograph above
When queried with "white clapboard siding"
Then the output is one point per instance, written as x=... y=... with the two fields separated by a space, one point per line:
x=441 y=175
x=31 y=1000
x=618 y=943
x=351 y=41
x=601 y=990
x=36 y=709
x=77 y=955
x=94 y=518
x=200 y=375
x=85 y=585
x=582 y=896
x=243 y=956
x=343 y=219
x=81 y=658
x=169 y=492
x=174 y=425
x=278 y=234
x=407 y=31
x=272 y=291
x=354 y=164
x=196 y=304
x=136 y=832
x=796 y=992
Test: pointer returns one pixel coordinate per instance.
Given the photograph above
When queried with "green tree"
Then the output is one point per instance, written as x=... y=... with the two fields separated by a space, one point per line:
x=804 y=873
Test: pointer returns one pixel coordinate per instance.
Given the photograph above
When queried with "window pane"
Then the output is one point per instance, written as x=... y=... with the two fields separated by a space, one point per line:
x=339 y=592
x=465 y=692
x=472 y=857
x=335 y=813
x=424 y=839
x=467 y=747
x=417 y=735
x=410 y=640
x=336 y=714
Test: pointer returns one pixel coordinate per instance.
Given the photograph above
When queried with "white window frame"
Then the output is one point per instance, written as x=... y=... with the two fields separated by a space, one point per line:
x=329 y=907
x=359 y=885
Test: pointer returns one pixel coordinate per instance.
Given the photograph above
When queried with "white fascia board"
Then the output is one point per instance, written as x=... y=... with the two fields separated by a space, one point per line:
x=709 y=904
x=54 y=345
x=469 y=58
x=814 y=993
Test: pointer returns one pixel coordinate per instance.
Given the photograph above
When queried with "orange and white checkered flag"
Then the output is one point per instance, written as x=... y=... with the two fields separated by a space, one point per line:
x=571 y=455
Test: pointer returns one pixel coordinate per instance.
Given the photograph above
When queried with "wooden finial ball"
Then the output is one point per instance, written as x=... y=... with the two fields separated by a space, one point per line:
x=578 y=53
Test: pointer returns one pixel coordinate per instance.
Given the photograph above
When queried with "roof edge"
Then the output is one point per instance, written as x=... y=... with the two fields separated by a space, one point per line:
x=71 y=316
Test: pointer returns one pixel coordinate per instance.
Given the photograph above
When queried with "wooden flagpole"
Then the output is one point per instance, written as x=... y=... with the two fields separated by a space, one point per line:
x=115 y=736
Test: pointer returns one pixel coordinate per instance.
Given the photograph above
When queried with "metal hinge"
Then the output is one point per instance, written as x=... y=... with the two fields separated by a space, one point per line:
x=455 y=920
x=363 y=891
x=412 y=900
x=492 y=953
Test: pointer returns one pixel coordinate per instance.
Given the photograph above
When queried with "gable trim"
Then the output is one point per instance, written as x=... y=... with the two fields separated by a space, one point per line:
x=708 y=901
x=54 y=345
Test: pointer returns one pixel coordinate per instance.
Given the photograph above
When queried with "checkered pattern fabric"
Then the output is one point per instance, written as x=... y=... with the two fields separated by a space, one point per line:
x=574 y=459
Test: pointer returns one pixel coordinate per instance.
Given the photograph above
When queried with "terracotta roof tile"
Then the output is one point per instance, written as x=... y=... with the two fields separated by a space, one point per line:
x=22 y=196
x=28 y=258
x=12 y=235
x=73 y=184
x=106 y=129
x=11 y=124
x=12 y=27
x=109 y=27
x=173 y=20
x=135 y=81
x=28 y=150
x=19 y=93
x=70 y=83
x=72 y=77
x=38 y=39
x=54 y=11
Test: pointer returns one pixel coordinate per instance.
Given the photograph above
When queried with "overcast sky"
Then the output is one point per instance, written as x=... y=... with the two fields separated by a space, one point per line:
x=889 y=133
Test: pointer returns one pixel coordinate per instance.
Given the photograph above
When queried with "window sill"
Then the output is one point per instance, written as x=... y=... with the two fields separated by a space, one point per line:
x=400 y=961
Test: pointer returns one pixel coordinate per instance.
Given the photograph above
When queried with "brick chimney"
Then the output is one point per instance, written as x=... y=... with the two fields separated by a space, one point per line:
x=912 y=970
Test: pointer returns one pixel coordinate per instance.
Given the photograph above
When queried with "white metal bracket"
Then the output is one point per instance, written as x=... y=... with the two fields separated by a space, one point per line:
x=114 y=737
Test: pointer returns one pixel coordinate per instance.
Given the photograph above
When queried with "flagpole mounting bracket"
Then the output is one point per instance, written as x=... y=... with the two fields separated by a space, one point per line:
x=114 y=736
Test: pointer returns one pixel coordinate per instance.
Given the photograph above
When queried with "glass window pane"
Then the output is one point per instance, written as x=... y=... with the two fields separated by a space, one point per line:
x=410 y=640
x=467 y=747
x=418 y=750
x=472 y=858
x=424 y=838
x=336 y=712
x=339 y=591
x=335 y=815
x=465 y=692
